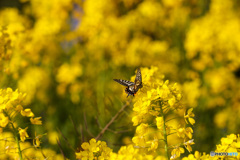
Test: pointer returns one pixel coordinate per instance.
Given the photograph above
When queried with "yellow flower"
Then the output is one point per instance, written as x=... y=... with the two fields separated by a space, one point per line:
x=136 y=120
x=139 y=141
x=189 y=132
x=27 y=113
x=94 y=150
x=36 y=140
x=189 y=116
x=19 y=108
x=93 y=145
x=229 y=140
x=230 y=143
x=78 y=155
x=36 y=120
x=172 y=101
x=34 y=82
x=197 y=154
x=164 y=91
x=181 y=132
x=159 y=122
x=83 y=155
x=52 y=137
x=188 y=145
x=23 y=133
x=73 y=71
x=142 y=129
x=3 y=120
x=85 y=145
x=176 y=152
x=190 y=157
x=154 y=144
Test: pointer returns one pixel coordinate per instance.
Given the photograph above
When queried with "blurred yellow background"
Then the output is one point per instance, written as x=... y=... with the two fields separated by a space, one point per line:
x=65 y=54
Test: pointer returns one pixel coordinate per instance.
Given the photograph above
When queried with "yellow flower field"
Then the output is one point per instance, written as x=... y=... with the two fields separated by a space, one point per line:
x=119 y=80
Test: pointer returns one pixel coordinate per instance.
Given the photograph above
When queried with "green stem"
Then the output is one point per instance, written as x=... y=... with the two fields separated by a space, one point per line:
x=164 y=132
x=18 y=143
x=16 y=137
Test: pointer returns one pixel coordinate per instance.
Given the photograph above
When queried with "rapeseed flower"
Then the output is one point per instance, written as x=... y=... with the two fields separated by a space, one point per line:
x=140 y=140
x=3 y=120
x=27 y=113
x=23 y=133
x=152 y=103
x=153 y=144
x=181 y=132
x=36 y=120
x=94 y=150
x=28 y=60
x=142 y=129
x=189 y=116
x=159 y=122
x=188 y=145
x=176 y=152
x=198 y=155
x=11 y=112
x=130 y=152
x=36 y=140
x=230 y=143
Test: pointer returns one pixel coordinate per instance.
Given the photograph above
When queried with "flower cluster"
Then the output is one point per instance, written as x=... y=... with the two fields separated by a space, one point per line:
x=152 y=106
x=229 y=144
x=215 y=66
x=130 y=152
x=94 y=150
x=12 y=133
x=5 y=44
x=198 y=156
x=65 y=56
x=9 y=149
x=11 y=109
x=156 y=105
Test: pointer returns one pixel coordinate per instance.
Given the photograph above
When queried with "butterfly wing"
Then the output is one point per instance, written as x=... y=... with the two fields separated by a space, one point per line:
x=124 y=82
x=138 y=79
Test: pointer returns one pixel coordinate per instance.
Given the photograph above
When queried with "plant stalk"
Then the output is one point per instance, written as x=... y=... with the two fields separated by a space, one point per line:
x=16 y=137
x=164 y=132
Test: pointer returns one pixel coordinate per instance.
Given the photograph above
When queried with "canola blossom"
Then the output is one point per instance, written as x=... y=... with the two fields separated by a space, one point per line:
x=13 y=136
x=58 y=60
x=151 y=131
x=152 y=103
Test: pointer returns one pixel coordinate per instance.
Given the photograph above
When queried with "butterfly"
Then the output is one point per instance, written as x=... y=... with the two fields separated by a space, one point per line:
x=132 y=87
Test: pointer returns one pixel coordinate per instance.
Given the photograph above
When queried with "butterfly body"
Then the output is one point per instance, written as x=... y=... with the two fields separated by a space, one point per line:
x=132 y=87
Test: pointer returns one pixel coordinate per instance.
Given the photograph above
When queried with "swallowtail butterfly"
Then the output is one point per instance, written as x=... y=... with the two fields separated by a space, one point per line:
x=132 y=87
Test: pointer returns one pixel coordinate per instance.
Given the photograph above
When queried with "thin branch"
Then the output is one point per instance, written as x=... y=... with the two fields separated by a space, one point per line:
x=86 y=126
x=74 y=126
x=66 y=140
x=60 y=147
x=99 y=125
x=118 y=132
x=82 y=135
x=112 y=120
x=43 y=154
